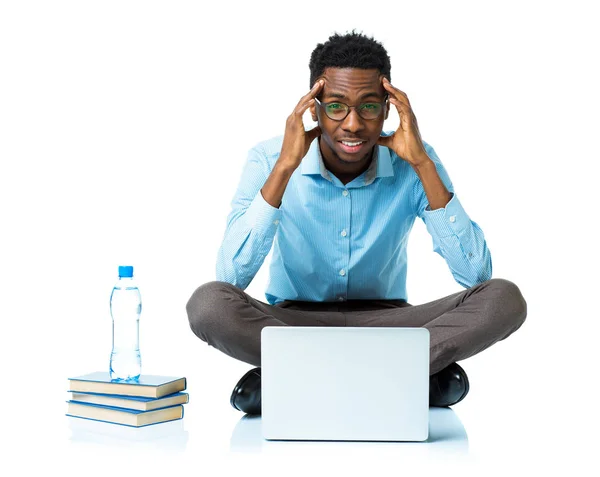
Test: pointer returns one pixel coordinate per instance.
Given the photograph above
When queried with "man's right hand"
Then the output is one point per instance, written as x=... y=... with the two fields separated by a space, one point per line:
x=296 y=141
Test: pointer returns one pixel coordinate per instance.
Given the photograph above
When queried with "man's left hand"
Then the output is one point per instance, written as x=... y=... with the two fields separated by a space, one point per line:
x=406 y=141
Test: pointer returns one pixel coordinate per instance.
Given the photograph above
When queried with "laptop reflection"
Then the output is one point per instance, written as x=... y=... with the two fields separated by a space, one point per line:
x=447 y=435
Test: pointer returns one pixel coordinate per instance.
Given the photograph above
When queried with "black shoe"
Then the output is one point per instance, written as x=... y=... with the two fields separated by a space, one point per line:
x=246 y=394
x=448 y=386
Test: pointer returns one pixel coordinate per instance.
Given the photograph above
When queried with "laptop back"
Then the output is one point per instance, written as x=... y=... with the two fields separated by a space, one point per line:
x=345 y=383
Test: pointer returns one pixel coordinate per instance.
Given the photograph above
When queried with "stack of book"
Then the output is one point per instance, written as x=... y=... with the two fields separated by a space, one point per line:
x=150 y=400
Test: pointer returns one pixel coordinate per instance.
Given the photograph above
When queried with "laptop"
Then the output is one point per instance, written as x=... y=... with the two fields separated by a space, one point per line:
x=345 y=383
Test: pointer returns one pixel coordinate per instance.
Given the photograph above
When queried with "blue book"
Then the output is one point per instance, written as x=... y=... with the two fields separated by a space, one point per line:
x=131 y=402
x=147 y=385
x=124 y=417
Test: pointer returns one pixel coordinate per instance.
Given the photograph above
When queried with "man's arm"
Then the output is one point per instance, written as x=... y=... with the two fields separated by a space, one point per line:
x=458 y=239
x=253 y=221
x=455 y=237
x=251 y=225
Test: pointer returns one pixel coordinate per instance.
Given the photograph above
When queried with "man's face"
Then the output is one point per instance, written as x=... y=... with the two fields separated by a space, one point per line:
x=353 y=87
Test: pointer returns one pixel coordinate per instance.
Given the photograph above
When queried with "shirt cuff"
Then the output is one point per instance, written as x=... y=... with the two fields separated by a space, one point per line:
x=262 y=216
x=447 y=221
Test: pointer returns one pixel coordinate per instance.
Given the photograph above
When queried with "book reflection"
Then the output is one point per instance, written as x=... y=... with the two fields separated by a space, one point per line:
x=170 y=436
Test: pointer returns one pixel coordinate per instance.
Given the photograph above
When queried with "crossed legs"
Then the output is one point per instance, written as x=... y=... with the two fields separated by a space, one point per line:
x=460 y=325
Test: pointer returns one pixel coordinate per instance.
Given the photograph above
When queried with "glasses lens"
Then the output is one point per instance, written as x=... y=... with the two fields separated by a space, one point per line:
x=370 y=110
x=336 y=111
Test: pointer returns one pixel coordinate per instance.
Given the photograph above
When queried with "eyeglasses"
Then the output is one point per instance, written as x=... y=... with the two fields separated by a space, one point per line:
x=338 y=111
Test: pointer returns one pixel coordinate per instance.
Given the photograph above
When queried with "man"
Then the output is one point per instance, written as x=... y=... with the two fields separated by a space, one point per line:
x=337 y=204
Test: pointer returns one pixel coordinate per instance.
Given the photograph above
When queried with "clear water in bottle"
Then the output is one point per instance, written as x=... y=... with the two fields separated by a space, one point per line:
x=125 y=308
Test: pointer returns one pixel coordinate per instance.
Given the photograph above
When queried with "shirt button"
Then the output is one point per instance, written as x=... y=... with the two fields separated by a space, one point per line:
x=340 y=298
x=452 y=218
x=345 y=193
x=344 y=233
x=276 y=222
x=470 y=254
x=342 y=272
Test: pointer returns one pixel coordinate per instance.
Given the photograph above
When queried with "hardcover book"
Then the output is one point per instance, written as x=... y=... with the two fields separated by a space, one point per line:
x=148 y=385
x=125 y=417
x=131 y=402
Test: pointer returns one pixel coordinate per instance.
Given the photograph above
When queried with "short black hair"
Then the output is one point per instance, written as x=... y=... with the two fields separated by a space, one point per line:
x=351 y=50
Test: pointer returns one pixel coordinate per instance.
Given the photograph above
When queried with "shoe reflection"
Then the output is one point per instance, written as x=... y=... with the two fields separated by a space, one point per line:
x=447 y=435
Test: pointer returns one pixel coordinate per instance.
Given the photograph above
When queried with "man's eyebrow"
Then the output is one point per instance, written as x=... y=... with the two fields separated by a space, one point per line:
x=334 y=94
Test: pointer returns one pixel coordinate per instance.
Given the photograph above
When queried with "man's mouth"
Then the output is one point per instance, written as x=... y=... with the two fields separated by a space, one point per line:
x=352 y=146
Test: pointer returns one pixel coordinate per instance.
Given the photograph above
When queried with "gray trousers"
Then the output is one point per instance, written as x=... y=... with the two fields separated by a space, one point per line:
x=460 y=325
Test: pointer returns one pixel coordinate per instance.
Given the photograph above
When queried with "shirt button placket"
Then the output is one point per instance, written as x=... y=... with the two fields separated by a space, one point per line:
x=344 y=233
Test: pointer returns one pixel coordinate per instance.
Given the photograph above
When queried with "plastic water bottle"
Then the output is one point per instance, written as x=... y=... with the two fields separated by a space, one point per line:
x=125 y=308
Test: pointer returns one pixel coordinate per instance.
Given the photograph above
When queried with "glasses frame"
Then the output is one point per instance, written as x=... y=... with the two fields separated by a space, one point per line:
x=324 y=106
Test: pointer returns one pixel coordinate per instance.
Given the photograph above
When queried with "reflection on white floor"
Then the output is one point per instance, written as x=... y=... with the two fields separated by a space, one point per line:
x=446 y=435
x=170 y=436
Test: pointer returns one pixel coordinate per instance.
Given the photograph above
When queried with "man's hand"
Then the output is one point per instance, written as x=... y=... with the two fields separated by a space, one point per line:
x=406 y=141
x=296 y=141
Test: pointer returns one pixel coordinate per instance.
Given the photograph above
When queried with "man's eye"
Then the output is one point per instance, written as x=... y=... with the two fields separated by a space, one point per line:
x=335 y=106
x=370 y=106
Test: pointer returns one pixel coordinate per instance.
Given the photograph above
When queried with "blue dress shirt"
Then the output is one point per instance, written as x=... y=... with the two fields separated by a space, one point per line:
x=342 y=242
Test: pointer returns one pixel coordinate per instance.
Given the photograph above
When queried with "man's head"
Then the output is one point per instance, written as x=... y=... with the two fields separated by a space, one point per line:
x=352 y=66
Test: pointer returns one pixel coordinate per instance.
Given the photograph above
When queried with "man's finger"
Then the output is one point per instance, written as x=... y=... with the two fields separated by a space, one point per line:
x=302 y=107
x=404 y=113
x=403 y=108
x=396 y=93
x=386 y=83
x=316 y=87
x=313 y=92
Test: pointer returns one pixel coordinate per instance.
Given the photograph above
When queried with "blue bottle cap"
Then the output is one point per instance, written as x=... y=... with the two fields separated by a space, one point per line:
x=125 y=271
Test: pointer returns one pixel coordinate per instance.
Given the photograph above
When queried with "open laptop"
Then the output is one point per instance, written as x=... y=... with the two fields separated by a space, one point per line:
x=345 y=383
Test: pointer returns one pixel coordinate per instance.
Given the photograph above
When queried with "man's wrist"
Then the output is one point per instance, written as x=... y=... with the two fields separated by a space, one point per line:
x=274 y=188
x=285 y=166
x=423 y=163
x=437 y=194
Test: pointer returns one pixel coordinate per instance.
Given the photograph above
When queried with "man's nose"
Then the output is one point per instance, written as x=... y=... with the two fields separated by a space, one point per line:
x=353 y=122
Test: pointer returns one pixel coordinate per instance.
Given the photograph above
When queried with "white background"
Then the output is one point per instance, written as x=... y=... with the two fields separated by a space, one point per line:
x=124 y=127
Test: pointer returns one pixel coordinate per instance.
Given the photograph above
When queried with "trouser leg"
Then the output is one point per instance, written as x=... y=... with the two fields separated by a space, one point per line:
x=230 y=320
x=460 y=325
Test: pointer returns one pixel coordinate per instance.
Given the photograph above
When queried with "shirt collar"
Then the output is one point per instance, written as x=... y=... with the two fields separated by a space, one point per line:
x=381 y=165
